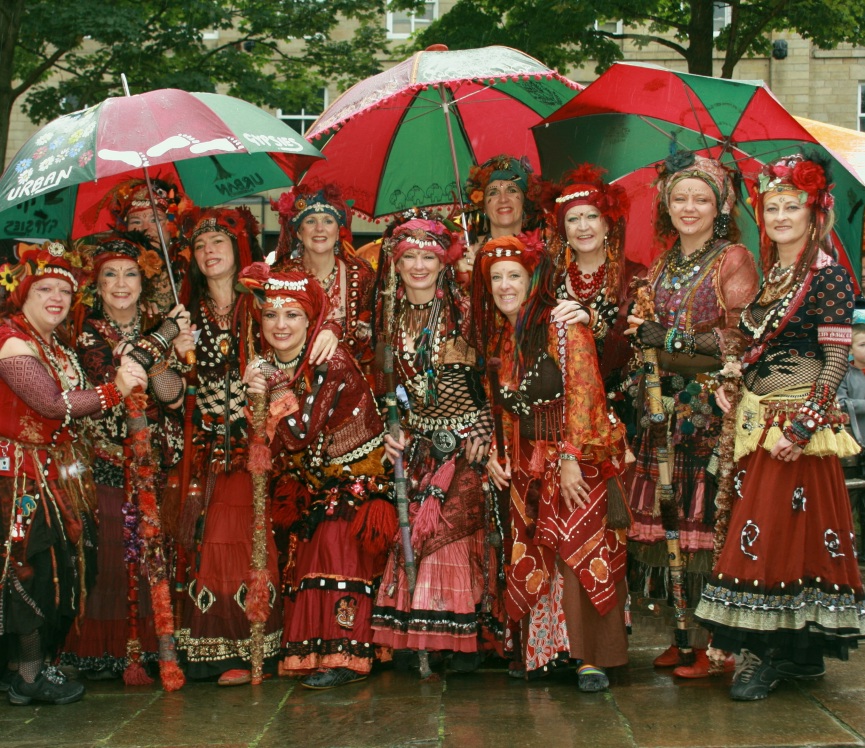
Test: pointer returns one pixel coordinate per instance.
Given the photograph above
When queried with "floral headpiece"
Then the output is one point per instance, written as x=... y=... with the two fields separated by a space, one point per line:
x=431 y=235
x=50 y=260
x=502 y=167
x=584 y=186
x=132 y=245
x=683 y=164
x=806 y=175
x=526 y=249
x=238 y=223
x=305 y=200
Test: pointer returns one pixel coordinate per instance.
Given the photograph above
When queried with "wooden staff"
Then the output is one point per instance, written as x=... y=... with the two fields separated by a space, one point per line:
x=735 y=344
x=258 y=596
x=399 y=479
x=644 y=307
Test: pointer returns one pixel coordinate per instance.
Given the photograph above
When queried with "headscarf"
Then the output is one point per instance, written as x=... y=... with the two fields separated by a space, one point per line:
x=305 y=200
x=50 y=260
x=687 y=165
x=131 y=196
x=238 y=223
x=292 y=288
x=132 y=245
x=503 y=167
x=530 y=330
x=430 y=235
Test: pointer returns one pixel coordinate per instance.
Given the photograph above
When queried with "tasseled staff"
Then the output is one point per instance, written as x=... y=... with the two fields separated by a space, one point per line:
x=644 y=307
x=151 y=539
x=258 y=595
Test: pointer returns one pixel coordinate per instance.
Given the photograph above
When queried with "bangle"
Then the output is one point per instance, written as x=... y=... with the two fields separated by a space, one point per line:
x=157 y=369
x=794 y=437
x=567 y=456
x=109 y=395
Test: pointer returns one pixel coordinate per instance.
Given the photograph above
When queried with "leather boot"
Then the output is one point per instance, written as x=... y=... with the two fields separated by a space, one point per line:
x=668 y=658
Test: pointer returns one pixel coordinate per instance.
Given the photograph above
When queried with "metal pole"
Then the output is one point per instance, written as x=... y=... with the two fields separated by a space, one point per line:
x=446 y=108
x=162 y=243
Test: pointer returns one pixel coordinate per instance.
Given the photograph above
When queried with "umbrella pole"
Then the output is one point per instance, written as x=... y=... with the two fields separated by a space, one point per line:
x=446 y=107
x=162 y=243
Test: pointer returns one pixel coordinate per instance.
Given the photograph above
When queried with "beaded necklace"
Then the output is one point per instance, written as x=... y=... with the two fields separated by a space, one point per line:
x=587 y=286
x=774 y=315
x=49 y=354
x=129 y=331
x=681 y=267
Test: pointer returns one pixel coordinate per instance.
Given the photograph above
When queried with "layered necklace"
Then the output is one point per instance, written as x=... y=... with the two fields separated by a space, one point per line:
x=130 y=330
x=222 y=314
x=68 y=370
x=681 y=268
x=587 y=286
x=778 y=282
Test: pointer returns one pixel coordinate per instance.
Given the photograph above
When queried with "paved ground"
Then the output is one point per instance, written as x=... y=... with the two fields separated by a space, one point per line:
x=644 y=708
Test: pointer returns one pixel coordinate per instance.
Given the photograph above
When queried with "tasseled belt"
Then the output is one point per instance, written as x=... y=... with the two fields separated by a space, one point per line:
x=543 y=425
x=759 y=414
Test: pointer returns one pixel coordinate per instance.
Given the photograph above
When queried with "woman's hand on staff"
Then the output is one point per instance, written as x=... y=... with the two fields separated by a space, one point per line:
x=393 y=448
x=323 y=347
x=500 y=474
x=253 y=378
x=785 y=450
x=184 y=342
x=570 y=312
x=180 y=316
x=130 y=374
x=721 y=398
x=575 y=490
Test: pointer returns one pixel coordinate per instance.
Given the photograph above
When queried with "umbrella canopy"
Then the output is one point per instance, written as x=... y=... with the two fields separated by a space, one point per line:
x=392 y=140
x=216 y=148
x=627 y=119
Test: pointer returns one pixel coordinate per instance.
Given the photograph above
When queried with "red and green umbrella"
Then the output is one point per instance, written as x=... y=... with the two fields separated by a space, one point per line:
x=215 y=148
x=627 y=119
x=395 y=140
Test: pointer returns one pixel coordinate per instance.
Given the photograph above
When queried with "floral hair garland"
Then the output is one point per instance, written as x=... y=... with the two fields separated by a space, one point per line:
x=51 y=259
x=798 y=173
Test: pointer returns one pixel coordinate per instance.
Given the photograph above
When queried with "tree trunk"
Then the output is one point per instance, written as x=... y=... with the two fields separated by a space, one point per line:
x=11 y=15
x=701 y=38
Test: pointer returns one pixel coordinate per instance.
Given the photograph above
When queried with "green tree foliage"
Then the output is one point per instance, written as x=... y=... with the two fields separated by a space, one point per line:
x=562 y=33
x=56 y=57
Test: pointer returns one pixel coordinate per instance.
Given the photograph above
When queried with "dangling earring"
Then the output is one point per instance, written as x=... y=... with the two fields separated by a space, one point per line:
x=722 y=225
x=607 y=247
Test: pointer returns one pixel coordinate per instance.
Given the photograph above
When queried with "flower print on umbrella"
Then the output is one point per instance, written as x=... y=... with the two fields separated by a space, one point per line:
x=22 y=165
x=85 y=158
x=25 y=176
x=40 y=151
x=46 y=163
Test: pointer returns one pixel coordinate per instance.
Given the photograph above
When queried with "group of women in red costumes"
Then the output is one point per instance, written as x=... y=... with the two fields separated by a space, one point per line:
x=469 y=453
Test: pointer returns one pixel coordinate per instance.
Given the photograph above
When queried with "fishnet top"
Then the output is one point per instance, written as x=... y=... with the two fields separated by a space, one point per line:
x=460 y=396
x=810 y=344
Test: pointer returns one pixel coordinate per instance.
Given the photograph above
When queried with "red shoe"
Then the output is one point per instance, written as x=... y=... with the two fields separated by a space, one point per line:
x=668 y=658
x=235 y=678
x=701 y=667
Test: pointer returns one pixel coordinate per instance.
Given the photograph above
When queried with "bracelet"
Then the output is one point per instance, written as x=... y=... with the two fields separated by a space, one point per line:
x=67 y=419
x=157 y=369
x=109 y=395
x=793 y=437
x=159 y=340
x=567 y=456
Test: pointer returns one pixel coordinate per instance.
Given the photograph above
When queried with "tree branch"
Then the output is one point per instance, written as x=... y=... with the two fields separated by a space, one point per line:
x=647 y=39
x=36 y=73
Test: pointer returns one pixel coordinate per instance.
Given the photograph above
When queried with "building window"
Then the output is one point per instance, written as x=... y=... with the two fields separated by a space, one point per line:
x=862 y=107
x=402 y=24
x=303 y=118
x=722 y=15
x=612 y=27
